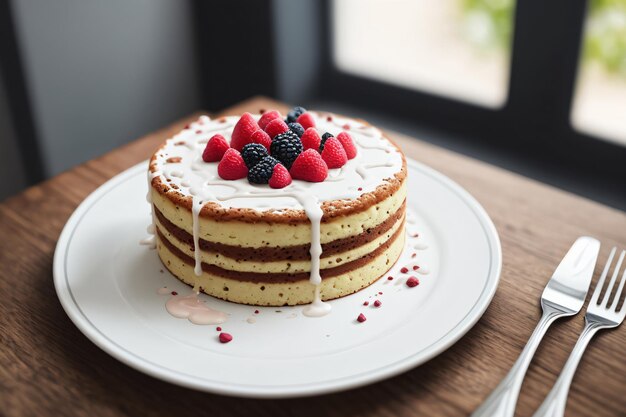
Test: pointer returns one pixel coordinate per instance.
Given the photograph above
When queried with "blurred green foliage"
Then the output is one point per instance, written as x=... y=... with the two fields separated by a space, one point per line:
x=605 y=35
x=496 y=19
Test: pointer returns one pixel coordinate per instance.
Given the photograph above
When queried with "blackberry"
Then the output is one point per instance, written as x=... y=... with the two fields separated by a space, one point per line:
x=286 y=147
x=325 y=137
x=296 y=128
x=252 y=153
x=262 y=171
x=293 y=115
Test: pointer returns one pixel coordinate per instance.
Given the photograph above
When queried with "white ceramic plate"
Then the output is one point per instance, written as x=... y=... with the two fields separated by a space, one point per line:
x=108 y=285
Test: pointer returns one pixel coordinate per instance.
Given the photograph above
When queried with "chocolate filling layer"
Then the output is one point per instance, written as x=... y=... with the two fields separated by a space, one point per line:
x=280 y=277
x=286 y=253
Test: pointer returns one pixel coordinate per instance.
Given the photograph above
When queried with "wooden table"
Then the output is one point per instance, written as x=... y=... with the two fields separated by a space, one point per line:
x=47 y=367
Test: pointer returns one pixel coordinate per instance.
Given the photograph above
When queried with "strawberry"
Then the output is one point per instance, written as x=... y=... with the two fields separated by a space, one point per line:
x=306 y=120
x=242 y=131
x=311 y=139
x=268 y=117
x=348 y=144
x=280 y=177
x=232 y=166
x=309 y=166
x=333 y=154
x=276 y=127
x=261 y=138
x=215 y=149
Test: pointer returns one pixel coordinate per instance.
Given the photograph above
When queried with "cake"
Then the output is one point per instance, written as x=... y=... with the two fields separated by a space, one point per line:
x=266 y=211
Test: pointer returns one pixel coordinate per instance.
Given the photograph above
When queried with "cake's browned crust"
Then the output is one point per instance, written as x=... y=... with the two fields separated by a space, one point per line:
x=280 y=277
x=284 y=253
x=332 y=209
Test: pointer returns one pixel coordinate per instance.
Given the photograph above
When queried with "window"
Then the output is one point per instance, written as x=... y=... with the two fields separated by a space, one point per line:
x=455 y=48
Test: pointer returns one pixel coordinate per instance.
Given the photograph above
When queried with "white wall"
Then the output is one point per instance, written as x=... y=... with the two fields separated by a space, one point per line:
x=102 y=73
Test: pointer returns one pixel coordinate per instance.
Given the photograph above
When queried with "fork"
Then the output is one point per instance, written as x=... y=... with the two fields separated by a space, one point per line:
x=599 y=316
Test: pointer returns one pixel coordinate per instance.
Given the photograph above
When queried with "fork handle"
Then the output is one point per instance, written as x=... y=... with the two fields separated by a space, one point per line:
x=501 y=402
x=554 y=404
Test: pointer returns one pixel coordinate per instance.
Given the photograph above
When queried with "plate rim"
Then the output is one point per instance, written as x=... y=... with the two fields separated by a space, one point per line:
x=80 y=320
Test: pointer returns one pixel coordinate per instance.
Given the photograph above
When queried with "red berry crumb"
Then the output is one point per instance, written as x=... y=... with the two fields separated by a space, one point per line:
x=309 y=166
x=311 y=139
x=361 y=318
x=360 y=189
x=218 y=328
x=256 y=311
x=215 y=149
x=404 y=270
x=333 y=154
x=262 y=138
x=174 y=293
x=232 y=166
x=348 y=144
x=413 y=255
x=380 y=293
x=276 y=127
x=366 y=303
x=389 y=278
x=268 y=117
x=377 y=303
x=346 y=126
x=243 y=130
x=306 y=120
x=412 y=282
x=415 y=267
x=225 y=337
x=280 y=177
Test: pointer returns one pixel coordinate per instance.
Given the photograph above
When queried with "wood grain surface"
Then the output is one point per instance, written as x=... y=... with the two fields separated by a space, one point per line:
x=47 y=367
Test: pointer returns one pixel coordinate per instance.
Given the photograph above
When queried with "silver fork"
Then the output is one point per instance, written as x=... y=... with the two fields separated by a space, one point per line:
x=599 y=316
x=564 y=295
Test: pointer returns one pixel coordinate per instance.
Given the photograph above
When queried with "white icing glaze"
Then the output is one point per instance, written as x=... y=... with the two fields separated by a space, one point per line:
x=193 y=177
x=194 y=309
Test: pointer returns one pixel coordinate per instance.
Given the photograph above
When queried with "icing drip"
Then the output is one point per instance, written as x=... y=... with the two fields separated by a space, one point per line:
x=194 y=309
x=150 y=241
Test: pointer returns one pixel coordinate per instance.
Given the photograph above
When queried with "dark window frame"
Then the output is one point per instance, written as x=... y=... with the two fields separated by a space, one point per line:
x=536 y=117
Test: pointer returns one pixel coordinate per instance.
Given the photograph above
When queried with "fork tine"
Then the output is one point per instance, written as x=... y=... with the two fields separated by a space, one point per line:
x=609 y=288
x=618 y=293
x=600 y=284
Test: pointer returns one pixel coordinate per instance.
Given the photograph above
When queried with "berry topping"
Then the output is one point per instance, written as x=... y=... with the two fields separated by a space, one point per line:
x=218 y=328
x=252 y=153
x=276 y=127
x=404 y=270
x=296 y=128
x=377 y=303
x=348 y=144
x=325 y=137
x=309 y=166
x=225 y=337
x=293 y=115
x=215 y=149
x=311 y=139
x=232 y=166
x=262 y=171
x=306 y=120
x=334 y=154
x=262 y=138
x=280 y=177
x=242 y=131
x=412 y=282
x=366 y=303
x=361 y=318
x=286 y=147
x=268 y=117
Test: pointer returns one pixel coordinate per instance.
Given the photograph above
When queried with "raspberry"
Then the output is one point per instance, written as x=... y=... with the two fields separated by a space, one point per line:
x=215 y=149
x=306 y=120
x=309 y=166
x=225 y=337
x=404 y=270
x=311 y=139
x=293 y=115
x=377 y=303
x=361 y=318
x=262 y=138
x=252 y=153
x=412 y=282
x=280 y=177
x=262 y=171
x=232 y=166
x=276 y=127
x=348 y=144
x=268 y=117
x=286 y=147
x=296 y=128
x=242 y=131
x=333 y=154
x=325 y=137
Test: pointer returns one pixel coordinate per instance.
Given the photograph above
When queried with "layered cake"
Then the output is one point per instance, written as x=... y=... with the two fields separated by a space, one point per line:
x=271 y=210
